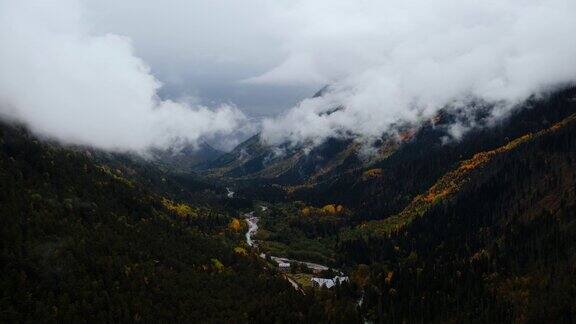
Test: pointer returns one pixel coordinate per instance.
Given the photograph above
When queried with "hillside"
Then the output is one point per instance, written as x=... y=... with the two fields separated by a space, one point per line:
x=382 y=184
x=87 y=240
x=255 y=162
x=491 y=240
x=383 y=188
x=479 y=229
x=429 y=230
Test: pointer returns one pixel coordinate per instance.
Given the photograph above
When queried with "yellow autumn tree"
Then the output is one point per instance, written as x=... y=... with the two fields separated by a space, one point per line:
x=372 y=173
x=333 y=209
x=240 y=251
x=235 y=225
x=182 y=210
x=330 y=209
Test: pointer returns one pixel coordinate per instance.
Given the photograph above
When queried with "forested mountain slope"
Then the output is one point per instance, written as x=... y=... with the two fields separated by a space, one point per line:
x=385 y=187
x=492 y=240
x=82 y=240
x=430 y=230
x=255 y=162
x=403 y=166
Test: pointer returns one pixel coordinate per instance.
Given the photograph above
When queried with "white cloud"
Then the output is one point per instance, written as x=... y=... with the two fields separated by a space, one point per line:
x=404 y=60
x=296 y=70
x=78 y=87
x=68 y=73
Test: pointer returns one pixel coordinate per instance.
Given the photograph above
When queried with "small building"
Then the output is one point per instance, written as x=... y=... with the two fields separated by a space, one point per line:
x=283 y=266
x=327 y=282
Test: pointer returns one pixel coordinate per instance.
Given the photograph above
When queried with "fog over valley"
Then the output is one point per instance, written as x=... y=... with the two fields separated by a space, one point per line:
x=288 y=161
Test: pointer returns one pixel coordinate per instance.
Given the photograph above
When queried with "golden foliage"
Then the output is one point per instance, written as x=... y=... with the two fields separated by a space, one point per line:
x=332 y=209
x=116 y=175
x=240 y=251
x=407 y=134
x=372 y=173
x=235 y=225
x=451 y=183
x=329 y=209
x=360 y=275
x=180 y=209
x=479 y=256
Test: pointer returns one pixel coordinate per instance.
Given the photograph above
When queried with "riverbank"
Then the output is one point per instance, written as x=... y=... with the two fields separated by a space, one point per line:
x=287 y=263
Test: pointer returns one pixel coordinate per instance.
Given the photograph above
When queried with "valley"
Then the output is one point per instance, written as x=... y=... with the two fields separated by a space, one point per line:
x=413 y=229
x=299 y=273
x=288 y=161
x=427 y=231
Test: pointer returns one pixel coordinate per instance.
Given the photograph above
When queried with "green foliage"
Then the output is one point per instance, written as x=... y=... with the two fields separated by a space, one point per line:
x=286 y=231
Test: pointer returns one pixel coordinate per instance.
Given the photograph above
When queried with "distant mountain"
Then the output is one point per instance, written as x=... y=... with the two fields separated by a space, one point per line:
x=254 y=160
x=186 y=159
x=383 y=183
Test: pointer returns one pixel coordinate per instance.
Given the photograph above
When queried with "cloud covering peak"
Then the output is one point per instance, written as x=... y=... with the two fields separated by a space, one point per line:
x=402 y=61
x=88 y=71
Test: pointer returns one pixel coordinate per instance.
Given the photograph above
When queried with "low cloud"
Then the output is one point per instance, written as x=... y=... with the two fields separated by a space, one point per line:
x=402 y=61
x=70 y=84
x=88 y=71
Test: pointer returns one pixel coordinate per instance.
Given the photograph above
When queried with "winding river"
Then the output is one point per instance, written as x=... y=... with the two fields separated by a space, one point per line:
x=252 y=222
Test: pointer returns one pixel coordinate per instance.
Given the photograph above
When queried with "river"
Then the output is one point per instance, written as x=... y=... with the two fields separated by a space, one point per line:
x=252 y=227
x=252 y=222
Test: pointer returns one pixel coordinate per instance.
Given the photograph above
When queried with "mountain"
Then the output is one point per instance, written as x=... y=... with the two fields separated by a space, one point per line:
x=186 y=159
x=383 y=188
x=428 y=229
x=492 y=240
x=479 y=229
x=254 y=160
x=92 y=236
x=337 y=171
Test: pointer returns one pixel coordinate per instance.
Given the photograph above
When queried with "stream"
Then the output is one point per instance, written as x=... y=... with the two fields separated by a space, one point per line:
x=252 y=222
x=252 y=227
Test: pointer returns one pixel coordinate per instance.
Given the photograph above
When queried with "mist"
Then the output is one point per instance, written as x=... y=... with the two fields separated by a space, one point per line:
x=135 y=74
x=396 y=62
x=69 y=84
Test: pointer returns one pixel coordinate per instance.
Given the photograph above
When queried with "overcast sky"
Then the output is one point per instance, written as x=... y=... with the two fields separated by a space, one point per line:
x=135 y=74
x=209 y=48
